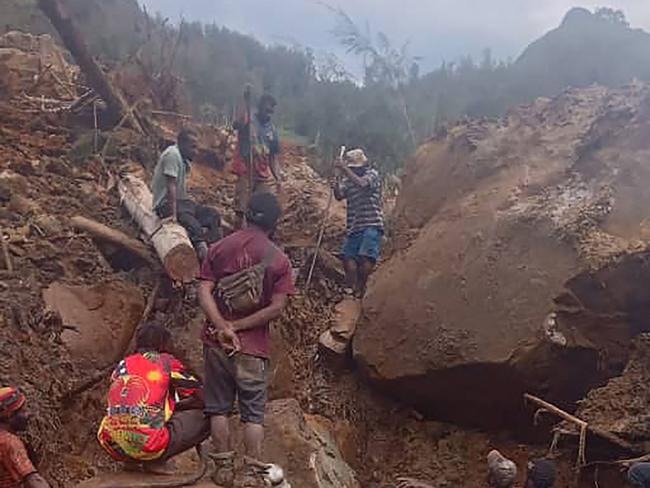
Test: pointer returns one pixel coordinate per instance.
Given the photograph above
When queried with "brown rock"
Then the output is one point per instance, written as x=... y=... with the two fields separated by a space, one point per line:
x=304 y=448
x=459 y=322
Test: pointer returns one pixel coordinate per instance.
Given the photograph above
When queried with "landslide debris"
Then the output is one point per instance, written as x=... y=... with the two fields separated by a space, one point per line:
x=521 y=245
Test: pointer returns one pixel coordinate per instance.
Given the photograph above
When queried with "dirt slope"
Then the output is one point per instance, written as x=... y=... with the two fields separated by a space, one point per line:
x=520 y=242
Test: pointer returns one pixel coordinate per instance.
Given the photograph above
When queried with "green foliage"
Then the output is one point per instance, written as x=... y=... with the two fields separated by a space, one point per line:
x=320 y=102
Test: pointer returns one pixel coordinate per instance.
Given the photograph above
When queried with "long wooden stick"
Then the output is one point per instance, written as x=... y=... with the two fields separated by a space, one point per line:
x=321 y=233
x=608 y=436
x=113 y=236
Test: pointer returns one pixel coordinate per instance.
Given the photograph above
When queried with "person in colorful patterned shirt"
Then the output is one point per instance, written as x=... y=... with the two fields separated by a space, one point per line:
x=154 y=405
x=16 y=469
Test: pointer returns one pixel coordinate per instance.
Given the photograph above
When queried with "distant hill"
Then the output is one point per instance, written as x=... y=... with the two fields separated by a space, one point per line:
x=585 y=49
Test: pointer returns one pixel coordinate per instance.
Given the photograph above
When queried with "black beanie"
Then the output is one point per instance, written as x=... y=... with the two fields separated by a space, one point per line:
x=264 y=211
x=542 y=473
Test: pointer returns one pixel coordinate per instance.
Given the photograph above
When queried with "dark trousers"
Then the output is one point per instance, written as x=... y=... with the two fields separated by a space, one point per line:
x=639 y=475
x=187 y=429
x=194 y=217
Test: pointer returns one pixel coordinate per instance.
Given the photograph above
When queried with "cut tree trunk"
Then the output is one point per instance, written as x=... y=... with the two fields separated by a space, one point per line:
x=169 y=239
x=74 y=42
x=107 y=234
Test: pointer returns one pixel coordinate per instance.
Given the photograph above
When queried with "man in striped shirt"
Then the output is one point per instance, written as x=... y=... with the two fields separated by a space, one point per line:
x=360 y=186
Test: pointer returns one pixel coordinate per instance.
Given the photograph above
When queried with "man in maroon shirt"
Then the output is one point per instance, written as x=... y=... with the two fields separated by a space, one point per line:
x=236 y=345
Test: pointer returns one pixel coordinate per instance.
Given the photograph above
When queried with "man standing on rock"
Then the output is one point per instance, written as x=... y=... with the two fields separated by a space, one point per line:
x=258 y=146
x=170 y=197
x=245 y=283
x=360 y=186
x=16 y=469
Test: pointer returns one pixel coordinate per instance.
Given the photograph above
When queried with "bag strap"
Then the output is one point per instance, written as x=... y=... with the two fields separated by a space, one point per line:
x=268 y=256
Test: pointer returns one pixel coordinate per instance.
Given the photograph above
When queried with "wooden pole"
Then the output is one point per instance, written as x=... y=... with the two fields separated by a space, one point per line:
x=107 y=234
x=74 y=42
x=608 y=436
x=169 y=239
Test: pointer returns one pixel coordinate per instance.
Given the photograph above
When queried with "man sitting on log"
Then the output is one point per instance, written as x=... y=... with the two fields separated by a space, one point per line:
x=360 y=186
x=170 y=197
x=16 y=469
x=154 y=405
x=245 y=283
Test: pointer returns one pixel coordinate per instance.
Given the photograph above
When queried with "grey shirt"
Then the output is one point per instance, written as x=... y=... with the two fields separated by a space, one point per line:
x=171 y=163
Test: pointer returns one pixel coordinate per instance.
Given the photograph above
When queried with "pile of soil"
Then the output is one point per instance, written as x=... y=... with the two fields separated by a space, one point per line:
x=49 y=175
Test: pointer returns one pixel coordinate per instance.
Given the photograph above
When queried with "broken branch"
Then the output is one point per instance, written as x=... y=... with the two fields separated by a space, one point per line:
x=5 y=251
x=581 y=424
x=107 y=234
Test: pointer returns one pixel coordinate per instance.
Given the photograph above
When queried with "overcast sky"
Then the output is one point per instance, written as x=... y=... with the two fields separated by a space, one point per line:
x=437 y=29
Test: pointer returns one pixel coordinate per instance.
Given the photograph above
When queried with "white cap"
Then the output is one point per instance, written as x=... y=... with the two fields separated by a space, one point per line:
x=356 y=158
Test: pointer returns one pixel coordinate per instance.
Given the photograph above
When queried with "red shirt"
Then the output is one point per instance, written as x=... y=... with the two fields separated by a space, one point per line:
x=15 y=465
x=242 y=250
x=140 y=403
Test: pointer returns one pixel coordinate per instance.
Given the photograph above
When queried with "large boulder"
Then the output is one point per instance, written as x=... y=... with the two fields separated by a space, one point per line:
x=521 y=244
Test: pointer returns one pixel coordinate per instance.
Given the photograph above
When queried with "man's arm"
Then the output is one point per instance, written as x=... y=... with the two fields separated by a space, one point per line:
x=361 y=181
x=264 y=316
x=209 y=307
x=171 y=196
x=275 y=168
x=35 y=480
x=339 y=188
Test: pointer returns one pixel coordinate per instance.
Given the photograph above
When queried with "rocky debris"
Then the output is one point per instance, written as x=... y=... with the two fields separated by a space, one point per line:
x=305 y=448
x=621 y=406
x=32 y=65
x=101 y=319
x=541 y=213
x=337 y=339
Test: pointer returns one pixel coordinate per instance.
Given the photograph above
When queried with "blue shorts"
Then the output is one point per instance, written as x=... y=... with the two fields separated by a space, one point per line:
x=365 y=243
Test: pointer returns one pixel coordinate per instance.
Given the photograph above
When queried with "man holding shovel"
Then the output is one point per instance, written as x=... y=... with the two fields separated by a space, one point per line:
x=258 y=146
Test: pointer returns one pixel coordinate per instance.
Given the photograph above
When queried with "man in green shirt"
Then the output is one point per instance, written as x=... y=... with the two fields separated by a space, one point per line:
x=170 y=198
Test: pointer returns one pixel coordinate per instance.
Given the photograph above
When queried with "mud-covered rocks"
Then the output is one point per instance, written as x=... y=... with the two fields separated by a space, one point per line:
x=305 y=448
x=528 y=234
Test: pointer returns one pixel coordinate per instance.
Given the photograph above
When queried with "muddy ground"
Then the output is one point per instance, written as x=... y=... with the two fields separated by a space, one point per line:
x=71 y=304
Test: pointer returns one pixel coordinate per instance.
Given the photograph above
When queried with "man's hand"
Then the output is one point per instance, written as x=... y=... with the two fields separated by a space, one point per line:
x=172 y=219
x=228 y=340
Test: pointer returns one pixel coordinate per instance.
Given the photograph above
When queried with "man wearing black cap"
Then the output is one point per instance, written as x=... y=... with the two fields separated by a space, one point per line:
x=245 y=281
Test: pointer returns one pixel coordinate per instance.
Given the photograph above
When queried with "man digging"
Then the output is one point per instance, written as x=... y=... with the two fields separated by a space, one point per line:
x=245 y=283
x=360 y=186
x=258 y=147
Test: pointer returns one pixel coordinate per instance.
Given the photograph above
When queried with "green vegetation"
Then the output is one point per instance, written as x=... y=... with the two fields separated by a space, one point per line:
x=395 y=107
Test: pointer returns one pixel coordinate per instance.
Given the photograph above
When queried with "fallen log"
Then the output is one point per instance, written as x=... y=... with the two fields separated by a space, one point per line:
x=113 y=236
x=169 y=239
x=74 y=42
